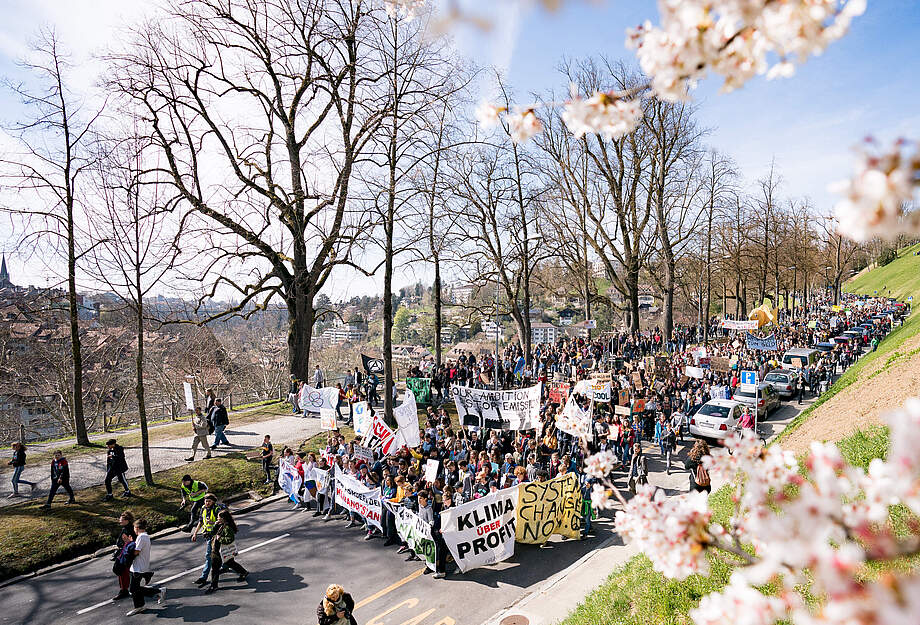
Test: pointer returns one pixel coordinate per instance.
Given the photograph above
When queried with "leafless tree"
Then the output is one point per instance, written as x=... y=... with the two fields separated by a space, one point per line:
x=719 y=187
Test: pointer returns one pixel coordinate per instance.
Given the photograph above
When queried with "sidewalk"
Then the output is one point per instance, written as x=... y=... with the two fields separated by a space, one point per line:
x=89 y=469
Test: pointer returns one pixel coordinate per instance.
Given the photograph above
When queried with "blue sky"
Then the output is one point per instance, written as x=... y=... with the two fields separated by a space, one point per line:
x=865 y=83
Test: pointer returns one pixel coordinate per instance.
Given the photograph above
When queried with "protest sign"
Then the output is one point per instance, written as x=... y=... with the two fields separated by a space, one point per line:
x=621 y=410
x=546 y=508
x=421 y=388
x=766 y=343
x=315 y=399
x=363 y=453
x=353 y=495
x=406 y=415
x=739 y=324
x=322 y=480
x=719 y=363
x=637 y=379
x=189 y=397
x=574 y=420
x=638 y=406
x=481 y=532
x=415 y=532
x=380 y=435
x=623 y=397
x=362 y=418
x=327 y=420
x=372 y=365
x=558 y=392
x=694 y=372
x=289 y=479
x=514 y=409
x=431 y=470
x=662 y=367
x=600 y=392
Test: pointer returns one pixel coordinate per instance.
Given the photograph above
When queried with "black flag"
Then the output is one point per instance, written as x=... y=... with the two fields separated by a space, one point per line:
x=372 y=365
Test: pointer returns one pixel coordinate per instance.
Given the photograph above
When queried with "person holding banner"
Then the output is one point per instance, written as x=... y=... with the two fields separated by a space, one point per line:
x=201 y=431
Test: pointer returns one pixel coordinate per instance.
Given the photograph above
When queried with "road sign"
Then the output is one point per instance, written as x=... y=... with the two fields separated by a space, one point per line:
x=749 y=377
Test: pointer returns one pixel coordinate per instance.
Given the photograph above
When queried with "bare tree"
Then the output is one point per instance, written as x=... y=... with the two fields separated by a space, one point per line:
x=260 y=111
x=47 y=174
x=719 y=186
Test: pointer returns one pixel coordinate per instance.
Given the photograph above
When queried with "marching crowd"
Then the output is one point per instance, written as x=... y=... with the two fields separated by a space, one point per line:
x=655 y=398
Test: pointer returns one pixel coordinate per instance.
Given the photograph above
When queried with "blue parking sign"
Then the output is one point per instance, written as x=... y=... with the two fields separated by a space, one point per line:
x=749 y=377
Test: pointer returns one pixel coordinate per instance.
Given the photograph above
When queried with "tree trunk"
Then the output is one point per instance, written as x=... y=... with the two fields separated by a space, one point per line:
x=436 y=291
x=708 y=306
x=139 y=388
x=632 y=287
x=79 y=421
x=300 y=332
x=388 y=227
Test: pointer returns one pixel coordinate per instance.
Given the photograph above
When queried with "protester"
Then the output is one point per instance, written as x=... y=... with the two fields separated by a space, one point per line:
x=19 y=464
x=201 y=430
x=141 y=571
x=115 y=467
x=638 y=469
x=224 y=551
x=266 y=455
x=60 y=478
x=207 y=522
x=125 y=536
x=336 y=607
x=192 y=491
x=699 y=476
x=219 y=418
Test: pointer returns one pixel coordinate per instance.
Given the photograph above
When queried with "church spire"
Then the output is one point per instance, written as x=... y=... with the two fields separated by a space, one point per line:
x=4 y=274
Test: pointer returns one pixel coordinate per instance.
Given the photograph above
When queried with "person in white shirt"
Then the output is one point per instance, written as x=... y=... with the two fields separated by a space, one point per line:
x=141 y=572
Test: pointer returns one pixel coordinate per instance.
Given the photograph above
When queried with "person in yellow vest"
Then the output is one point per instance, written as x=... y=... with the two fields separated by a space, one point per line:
x=207 y=523
x=193 y=492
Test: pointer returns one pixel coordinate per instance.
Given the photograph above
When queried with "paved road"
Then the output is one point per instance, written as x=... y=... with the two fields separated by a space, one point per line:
x=89 y=469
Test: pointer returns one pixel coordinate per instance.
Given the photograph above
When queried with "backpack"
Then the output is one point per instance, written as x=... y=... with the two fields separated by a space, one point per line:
x=124 y=558
x=701 y=475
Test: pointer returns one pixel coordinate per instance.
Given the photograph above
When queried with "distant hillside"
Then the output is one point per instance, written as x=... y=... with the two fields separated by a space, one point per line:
x=901 y=277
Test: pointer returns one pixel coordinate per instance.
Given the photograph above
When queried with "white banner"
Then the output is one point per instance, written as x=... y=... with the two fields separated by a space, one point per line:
x=189 y=397
x=327 y=419
x=406 y=415
x=739 y=324
x=362 y=418
x=289 y=479
x=574 y=420
x=600 y=391
x=514 y=409
x=431 y=470
x=353 y=495
x=481 y=532
x=765 y=343
x=315 y=399
x=694 y=372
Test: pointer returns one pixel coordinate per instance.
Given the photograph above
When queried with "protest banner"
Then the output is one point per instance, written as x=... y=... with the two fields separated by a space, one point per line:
x=363 y=453
x=763 y=343
x=315 y=399
x=421 y=388
x=327 y=419
x=372 y=365
x=600 y=392
x=514 y=409
x=406 y=415
x=189 y=397
x=289 y=479
x=362 y=418
x=558 y=392
x=415 y=532
x=353 y=495
x=739 y=324
x=693 y=372
x=380 y=436
x=547 y=508
x=431 y=470
x=574 y=420
x=481 y=532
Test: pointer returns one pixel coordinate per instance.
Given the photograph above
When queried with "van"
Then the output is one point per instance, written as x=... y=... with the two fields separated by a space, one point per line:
x=799 y=357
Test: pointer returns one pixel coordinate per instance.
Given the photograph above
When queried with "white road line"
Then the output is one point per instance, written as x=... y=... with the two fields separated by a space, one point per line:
x=185 y=572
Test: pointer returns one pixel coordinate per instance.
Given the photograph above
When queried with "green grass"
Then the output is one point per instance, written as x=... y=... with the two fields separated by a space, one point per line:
x=901 y=277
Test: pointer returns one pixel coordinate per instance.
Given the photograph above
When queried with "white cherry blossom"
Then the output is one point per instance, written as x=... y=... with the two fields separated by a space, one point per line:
x=523 y=125
x=602 y=113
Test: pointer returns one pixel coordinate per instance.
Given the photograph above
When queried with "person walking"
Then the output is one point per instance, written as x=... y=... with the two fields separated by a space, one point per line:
x=699 y=476
x=638 y=469
x=192 y=491
x=224 y=551
x=19 y=464
x=220 y=420
x=141 y=571
x=293 y=392
x=124 y=554
x=266 y=455
x=318 y=377
x=201 y=430
x=115 y=467
x=60 y=478
x=336 y=607
x=207 y=522
x=800 y=387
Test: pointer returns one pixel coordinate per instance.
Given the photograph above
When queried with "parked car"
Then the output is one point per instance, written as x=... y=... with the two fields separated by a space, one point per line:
x=842 y=340
x=782 y=381
x=823 y=347
x=765 y=401
x=715 y=419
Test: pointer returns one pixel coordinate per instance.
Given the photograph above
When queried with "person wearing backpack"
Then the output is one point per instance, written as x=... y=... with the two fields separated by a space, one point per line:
x=699 y=476
x=124 y=554
x=638 y=469
x=141 y=571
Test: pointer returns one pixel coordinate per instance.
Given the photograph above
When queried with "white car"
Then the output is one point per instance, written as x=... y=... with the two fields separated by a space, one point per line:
x=715 y=419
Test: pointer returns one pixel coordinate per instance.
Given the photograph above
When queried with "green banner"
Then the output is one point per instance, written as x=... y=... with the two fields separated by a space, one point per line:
x=416 y=532
x=421 y=387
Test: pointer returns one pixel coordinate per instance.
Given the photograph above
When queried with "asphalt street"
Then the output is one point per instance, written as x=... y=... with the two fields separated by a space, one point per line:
x=293 y=556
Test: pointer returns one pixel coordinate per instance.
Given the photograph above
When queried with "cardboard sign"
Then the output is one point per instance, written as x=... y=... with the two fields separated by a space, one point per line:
x=327 y=419
x=718 y=363
x=547 y=508
x=623 y=397
x=637 y=379
x=662 y=367
x=694 y=372
x=363 y=453
x=621 y=410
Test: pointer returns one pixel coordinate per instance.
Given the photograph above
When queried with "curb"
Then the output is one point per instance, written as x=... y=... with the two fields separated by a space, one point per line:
x=164 y=532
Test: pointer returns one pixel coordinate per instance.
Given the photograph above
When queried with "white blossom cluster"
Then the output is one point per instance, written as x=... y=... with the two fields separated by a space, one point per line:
x=814 y=526
x=874 y=199
x=403 y=8
x=603 y=113
x=733 y=39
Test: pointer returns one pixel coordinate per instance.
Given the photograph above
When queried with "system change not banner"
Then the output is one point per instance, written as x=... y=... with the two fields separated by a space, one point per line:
x=514 y=409
x=353 y=495
x=547 y=508
x=415 y=532
x=481 y=532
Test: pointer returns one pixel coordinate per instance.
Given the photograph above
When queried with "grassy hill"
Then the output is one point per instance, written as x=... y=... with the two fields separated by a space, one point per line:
x=901 y=277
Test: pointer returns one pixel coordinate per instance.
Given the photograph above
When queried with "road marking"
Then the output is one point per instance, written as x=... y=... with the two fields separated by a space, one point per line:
x=409 y=603
x=186 y=572
x=390 y=588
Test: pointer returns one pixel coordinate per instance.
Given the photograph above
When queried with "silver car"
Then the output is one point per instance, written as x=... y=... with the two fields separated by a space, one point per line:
x=782 y=381
x=766 y=401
